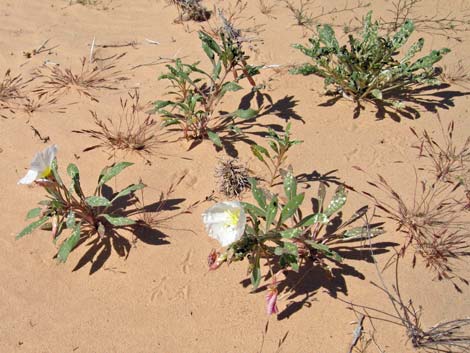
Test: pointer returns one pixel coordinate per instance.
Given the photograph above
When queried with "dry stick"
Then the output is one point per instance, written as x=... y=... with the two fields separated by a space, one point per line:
x=150 y=41
x=357 y=332
x=91 y=50
x=132 y=43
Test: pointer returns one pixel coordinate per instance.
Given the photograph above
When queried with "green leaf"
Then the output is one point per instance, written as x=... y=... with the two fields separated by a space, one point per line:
x=291 y=207
x=376 y=93
x=73 y=172
x=255 y=272
x=68 y=245
x=362 y=233
x=35 y=212
x=70 y=221
x=216 y=71
x=287 y=248
x=55 y=172
x=252 y=209
x=289 y=260
x=110 y=172
x=258 y=151
x=313 y=219
x=130 y=189
x=230 y=87
x=161 y=104
x=291 y=233
x=338 y=201
x=29 y=229
x=214 y=138
x=401 y=37
x=118 y=221
x=327 y=37
x=97 y=201
x=271 y=212
x=245 y=113
x=290 y=186
x=258 y=194
x=325 y=250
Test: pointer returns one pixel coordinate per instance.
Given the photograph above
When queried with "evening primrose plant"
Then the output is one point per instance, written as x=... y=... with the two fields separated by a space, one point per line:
x=275 y=230
x=196 y=93
x=371 y=68
x=66 y=209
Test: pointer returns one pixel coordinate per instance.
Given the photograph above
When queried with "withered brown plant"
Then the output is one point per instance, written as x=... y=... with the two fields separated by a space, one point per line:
x=434 y=224
x=456 y=74
x=133 y=131
x=191 y=10
x=99 y=74
x=449 y=162
x=447 y=337
x=231 y=177
x=11 y=92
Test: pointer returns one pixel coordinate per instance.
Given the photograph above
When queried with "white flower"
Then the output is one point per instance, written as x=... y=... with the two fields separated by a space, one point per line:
x=40 y=167
x=225 y=221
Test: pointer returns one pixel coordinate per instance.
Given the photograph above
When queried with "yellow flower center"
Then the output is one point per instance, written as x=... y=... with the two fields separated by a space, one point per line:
x=45 y=173
x=233 y=217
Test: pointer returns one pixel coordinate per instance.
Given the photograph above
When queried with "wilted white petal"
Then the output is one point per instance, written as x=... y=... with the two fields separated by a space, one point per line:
x=40 y=166
x=225 y=222
x=30 y=177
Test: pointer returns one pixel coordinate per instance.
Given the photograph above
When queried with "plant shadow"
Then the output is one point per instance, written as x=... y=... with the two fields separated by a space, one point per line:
x=101 y=246
x=427 y=98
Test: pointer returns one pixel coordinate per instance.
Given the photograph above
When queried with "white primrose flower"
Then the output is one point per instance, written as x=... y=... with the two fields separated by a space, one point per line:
x=225 y=221
x=40 y=167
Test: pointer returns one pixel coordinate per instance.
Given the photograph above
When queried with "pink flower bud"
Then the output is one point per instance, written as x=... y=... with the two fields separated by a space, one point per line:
x=271 y=298
x=215 y=259
x=54 y=226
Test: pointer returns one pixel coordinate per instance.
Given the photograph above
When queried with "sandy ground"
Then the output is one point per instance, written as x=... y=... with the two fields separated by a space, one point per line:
x=161 y=298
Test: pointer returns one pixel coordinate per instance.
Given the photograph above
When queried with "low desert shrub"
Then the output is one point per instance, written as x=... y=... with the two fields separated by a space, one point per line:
x=370 y=69
x=196 y=93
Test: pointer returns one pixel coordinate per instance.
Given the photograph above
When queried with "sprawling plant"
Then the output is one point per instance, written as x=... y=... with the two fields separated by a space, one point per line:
x=371 y=68
x=196 y=93
x=274 y=229
x=67 y=208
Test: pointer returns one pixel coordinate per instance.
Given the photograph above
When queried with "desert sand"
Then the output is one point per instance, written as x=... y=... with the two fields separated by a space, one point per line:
x=161 y=296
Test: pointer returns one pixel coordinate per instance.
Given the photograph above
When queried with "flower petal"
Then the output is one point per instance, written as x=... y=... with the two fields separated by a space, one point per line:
x=49 y=154
x=29 y=178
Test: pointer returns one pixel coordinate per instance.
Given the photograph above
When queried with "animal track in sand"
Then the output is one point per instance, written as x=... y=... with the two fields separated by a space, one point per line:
x=186 y=263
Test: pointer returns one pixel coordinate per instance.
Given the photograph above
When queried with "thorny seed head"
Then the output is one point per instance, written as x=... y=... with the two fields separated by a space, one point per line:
x=232 y=177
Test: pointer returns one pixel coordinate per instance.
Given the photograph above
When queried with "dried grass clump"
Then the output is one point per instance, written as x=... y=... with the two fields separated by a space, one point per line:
x=99 y=74
x=131 y=133
x=11 y=92
x=457 y=74
x=434 y=224
x=449 y=163
x=232 y=177
x=191 y=10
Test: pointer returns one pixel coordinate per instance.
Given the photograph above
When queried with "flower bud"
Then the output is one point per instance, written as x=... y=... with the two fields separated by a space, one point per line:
x=215 y=259
x=271 y=298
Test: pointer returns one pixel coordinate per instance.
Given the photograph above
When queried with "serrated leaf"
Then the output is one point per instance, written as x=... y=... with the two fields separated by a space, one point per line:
x=35 y=212
x=68 y=245
x=110 y=172
x=97 y=201
x=338 y=201
x=130 y=189
x=291 y=207
x=291 y=233
x=29 y=229
x=118 y=221
x=214 y=138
